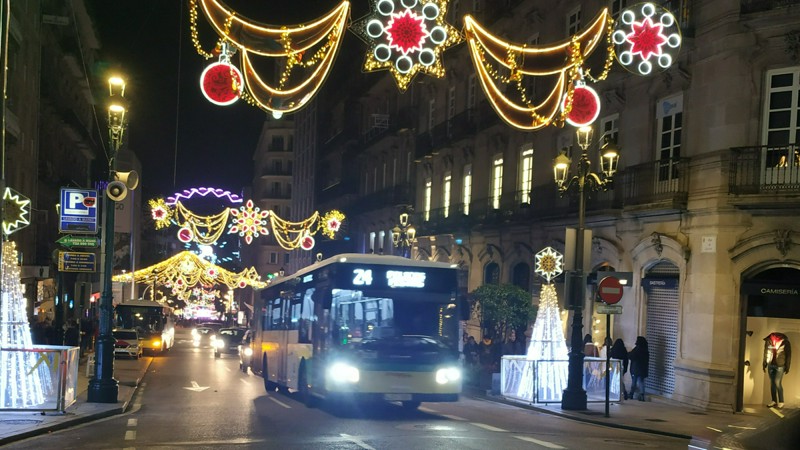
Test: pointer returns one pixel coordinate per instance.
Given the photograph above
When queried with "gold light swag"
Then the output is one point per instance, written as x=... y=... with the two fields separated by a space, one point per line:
x=304 y=46
x=563 y=60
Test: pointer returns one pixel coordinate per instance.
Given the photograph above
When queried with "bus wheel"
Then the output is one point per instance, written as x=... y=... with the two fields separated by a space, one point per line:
x=302 y=387
x=411 y=405
x=268 y=385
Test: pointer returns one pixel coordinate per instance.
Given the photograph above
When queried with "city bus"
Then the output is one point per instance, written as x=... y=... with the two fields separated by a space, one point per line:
x=360 y=327
x=151 y=319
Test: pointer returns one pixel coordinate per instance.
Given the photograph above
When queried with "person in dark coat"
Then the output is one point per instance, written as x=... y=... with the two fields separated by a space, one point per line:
x=618 y=351
x=639 y=362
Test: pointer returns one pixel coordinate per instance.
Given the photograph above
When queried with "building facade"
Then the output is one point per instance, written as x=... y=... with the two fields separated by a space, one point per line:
x=702 y=212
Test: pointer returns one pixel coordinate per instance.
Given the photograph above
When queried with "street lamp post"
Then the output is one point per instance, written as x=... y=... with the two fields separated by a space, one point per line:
x=574 y=396
x=403 y=235
x=103 y=388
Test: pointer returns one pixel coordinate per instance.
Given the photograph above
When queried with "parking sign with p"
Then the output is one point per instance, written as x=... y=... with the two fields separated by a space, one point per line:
x=78 y=212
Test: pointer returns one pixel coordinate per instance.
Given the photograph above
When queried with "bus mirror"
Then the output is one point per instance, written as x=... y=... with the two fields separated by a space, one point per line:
x=464 y=308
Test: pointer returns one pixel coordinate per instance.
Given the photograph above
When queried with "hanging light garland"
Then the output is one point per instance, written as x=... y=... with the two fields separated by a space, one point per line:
x=406 y=37
x=563 y=60
x=312 y=46
x=249 y=222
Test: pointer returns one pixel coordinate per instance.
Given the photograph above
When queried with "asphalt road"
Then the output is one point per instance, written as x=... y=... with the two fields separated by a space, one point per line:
x=190 y=400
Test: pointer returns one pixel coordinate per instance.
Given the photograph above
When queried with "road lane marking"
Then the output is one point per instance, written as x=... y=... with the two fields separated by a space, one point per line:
x=447 y=416
x=130 y=435
x=133 y=422
x=356 y=441
x=196 y=387
x=488 y=427
x=279 y=402
x=453 y=417
x=715 y=429
x=538 y=442
x=742 y=428
x=244 y=381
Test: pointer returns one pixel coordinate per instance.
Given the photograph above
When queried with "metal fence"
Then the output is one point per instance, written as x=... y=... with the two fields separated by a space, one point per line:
x=42 y=378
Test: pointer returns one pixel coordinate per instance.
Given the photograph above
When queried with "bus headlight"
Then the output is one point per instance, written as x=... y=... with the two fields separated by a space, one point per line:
x=448 y=375
x=218 y=343
x=156 y=343
x=248 y=351
x=343 y=373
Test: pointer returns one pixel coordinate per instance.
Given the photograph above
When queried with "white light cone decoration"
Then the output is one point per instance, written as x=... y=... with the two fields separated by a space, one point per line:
x=547 y=344
x=22 y=382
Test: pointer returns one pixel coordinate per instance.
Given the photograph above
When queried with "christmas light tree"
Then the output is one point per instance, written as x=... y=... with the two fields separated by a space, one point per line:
x=22 y=381
x=547 y=346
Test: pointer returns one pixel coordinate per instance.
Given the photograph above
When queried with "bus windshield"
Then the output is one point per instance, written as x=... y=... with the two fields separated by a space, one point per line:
x=359 y=317
x=146 y=320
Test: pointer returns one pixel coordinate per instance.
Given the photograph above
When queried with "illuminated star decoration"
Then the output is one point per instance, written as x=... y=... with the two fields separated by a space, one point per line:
x=549 y=263
x=333 y=221
x=249 y=221
x=645 y=37
x=16 y=211
x=160 y=212
x=406 y=37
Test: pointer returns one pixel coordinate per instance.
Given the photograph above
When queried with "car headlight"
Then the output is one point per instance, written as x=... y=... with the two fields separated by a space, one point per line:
x=248 y=351
x=448 y=375
x=213 y=337
x=194 y=331
x=343 y=373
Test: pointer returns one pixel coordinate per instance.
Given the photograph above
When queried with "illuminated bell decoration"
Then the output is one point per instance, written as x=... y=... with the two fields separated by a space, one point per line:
x=406 y=37
x=16 y=211
x=185 y=235
x=646 y=37
x=219 y=82
x=585 y=106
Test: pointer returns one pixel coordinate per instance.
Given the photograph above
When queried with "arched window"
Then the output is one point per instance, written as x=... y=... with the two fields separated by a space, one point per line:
x=491 y=273
x=521 y=276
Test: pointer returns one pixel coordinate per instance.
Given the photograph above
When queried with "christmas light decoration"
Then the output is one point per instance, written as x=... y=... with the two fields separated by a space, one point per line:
x=203 y=192
x=585 y=106
x=547 y=346
x=333 y=221
x=310 y=47
x=16 y=211
x=646 y=37
x=187 y=270
x=23 y=381
x=249 y=221
x=219 y=83
x=406 y=37
x=563 y=61
x=160 y=212
x=204 y=229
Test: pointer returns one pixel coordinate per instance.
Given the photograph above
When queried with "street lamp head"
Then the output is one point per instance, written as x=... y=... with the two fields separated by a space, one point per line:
x=609 y=156
x=584 y=135
x=411 y=233
x=396 y=235
x=116 y=86
x=561 y=167
x=404 y=219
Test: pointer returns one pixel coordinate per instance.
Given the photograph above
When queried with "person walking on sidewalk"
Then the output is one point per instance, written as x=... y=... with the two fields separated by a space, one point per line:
x=639 y=362
x=618 y=351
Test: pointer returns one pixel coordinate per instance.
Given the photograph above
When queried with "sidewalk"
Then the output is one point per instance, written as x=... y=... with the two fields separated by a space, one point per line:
x=15 y=426
x=757 y=428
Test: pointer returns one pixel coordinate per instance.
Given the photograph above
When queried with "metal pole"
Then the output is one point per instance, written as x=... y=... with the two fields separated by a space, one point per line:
x=103 y=388
x=574 y=396
x=133 y=244
x=608 y=361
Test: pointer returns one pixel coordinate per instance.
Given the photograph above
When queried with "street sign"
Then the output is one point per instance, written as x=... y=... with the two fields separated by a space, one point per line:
x=76 y=262
x=602 y=308
x=70 y=241
x=609 y=290
x=78 y=211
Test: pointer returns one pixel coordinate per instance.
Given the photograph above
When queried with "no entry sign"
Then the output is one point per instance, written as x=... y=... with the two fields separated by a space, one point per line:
x=609 y=290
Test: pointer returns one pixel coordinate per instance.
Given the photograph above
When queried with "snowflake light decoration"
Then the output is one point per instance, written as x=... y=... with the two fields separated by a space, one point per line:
x=406 y=37
x=249 y=221
x=549 y=263
x=645 y=37
x=160 y=212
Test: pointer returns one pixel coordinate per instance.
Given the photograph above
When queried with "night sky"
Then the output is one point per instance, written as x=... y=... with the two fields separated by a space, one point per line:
x=150 y=43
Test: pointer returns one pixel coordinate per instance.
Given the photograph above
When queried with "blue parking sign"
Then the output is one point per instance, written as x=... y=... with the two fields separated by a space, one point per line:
x=78 y=212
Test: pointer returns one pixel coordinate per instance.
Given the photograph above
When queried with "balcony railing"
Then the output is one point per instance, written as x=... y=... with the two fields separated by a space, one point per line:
x=664 y=182
x=753 y=6
x=393 y=196
x=764 y=169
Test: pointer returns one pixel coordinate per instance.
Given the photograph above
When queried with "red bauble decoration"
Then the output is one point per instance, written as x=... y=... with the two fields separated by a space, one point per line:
x=217 y=83
x=585 y=106
x=185 y=235
x=307 y=243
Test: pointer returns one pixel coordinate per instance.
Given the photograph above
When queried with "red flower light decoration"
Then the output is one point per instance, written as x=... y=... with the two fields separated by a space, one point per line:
x=646 y=39
x=406 y=32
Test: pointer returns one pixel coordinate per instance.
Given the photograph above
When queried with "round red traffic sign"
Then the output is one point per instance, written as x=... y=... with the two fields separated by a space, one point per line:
x=609 y=290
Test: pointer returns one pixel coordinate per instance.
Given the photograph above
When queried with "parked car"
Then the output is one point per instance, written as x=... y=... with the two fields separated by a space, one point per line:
x=127 y=343
x=228 y=341
x=245 y=351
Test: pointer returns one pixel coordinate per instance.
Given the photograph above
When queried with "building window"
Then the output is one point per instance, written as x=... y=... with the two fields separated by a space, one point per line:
x=477 y=5
x=446 y=194
x=574 y=21
x=521 y=276
x=374 y=179
x=526 y=175
x=394 y=171
x=530 y=81
x=428 y=190
x=273 y=258
x=381 y=241
x=497 y=181
x=408 y=167
x=609 y=125
x=491 y=273
x=277 y=144
x=453 y=10
x=372 y=242
x=466 y=196
x=617 y=6
x=670 y=126
x=385 y=178
x=286 y=258
x=472 y=98
x=781 y=124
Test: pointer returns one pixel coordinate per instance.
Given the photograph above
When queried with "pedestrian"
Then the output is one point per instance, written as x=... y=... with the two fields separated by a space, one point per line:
x=639 y=362
x=589 y=349
x=72 y=335
x=618 y=351
x=606 y=346
x=471 y=352
x=511 y=346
